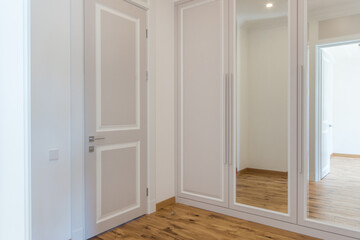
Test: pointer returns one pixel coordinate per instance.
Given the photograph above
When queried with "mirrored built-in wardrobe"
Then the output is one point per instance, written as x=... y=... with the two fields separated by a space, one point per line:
x=261 y=92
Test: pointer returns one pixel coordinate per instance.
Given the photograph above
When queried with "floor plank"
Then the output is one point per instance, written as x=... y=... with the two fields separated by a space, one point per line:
x=184 y=223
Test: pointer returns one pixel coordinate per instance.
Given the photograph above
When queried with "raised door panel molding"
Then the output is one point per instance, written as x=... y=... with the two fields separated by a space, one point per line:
x=177 y=2
x=114 y=60
x=118 y=163
x=141 y=3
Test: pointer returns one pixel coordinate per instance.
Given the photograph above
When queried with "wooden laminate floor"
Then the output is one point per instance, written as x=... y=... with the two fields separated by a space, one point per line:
x=263 y=190
x=183 y=222
x=336 y=198
x=333 y=200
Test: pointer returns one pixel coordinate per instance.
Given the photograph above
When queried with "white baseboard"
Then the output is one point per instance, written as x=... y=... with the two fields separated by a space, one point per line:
x=265 y=221
x=78 y=234
x=151 y=206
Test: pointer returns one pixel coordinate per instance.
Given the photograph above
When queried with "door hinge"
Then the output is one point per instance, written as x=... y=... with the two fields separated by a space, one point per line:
x=147 y=192
x=147 y=33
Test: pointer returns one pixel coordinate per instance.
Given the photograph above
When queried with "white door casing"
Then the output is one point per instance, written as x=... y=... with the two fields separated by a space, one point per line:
x=201 y=101
x=115 y=114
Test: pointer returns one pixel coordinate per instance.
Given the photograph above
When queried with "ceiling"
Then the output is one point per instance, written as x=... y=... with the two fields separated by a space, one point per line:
x=315 y=5
x=248 y=10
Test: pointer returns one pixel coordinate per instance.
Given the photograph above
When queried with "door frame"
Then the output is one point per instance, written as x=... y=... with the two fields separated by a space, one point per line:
x=77 y=119
x=303 y=118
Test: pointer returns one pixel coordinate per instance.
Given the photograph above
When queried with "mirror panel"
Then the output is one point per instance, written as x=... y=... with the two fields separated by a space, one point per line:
x=333 y=179
x=262 y=104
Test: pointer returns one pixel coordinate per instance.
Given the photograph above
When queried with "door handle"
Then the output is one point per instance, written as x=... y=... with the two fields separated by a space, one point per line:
x=226 y=118
x=231 y=108
x=93 y=138
x=301 y=147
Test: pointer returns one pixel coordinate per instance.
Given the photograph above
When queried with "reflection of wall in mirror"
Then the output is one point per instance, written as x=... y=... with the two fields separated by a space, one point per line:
x=260 y=145
x=346 y=119
x=324 y=28
x=263 y=94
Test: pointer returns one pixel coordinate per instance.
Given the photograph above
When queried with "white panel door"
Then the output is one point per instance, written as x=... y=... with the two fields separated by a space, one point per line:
x=202 y=67
x=327 y=131
x=115 y=111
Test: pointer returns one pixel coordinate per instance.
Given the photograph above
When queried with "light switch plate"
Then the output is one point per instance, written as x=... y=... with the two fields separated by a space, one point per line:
x=53 y=154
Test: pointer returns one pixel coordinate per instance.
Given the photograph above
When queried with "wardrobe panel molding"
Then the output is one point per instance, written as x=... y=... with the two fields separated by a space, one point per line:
x=202 y=65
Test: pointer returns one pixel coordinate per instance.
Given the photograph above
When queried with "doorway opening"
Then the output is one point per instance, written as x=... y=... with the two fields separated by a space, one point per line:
x=338 y=83
x=337 y=160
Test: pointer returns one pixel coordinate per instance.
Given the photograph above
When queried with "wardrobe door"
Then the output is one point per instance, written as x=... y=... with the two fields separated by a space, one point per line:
x=201 y=105
x=263 y=53
x=329 y=59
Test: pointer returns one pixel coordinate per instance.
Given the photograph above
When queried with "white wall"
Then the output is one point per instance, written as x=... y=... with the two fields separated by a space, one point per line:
x=346 y=100
x=50 y=118
x=342 y=26
x=14 y=159
x=266 y=100
x=165 y=116
x=242 y=88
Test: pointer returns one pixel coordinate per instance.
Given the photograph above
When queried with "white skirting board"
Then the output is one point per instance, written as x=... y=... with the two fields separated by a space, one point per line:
x=266 y=221
x=78 y=234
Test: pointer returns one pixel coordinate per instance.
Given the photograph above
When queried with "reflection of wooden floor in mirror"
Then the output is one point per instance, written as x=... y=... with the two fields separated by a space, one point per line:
x=336 y=198
x=263 y=189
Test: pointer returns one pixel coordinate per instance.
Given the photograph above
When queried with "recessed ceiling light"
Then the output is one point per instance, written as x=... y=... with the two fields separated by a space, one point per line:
x=269 y=5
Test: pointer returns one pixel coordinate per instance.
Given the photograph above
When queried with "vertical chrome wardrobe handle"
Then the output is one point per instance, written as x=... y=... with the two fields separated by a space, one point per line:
x=226 y=114
x=301 y=133
x=230 y=132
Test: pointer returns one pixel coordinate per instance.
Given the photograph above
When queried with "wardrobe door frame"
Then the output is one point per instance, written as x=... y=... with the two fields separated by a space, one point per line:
x=304 y=133
x=180 y=193
x=291 y=216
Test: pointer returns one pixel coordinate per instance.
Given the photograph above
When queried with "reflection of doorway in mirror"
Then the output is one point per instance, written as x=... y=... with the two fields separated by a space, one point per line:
x=334 y=192
x=333 y=188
